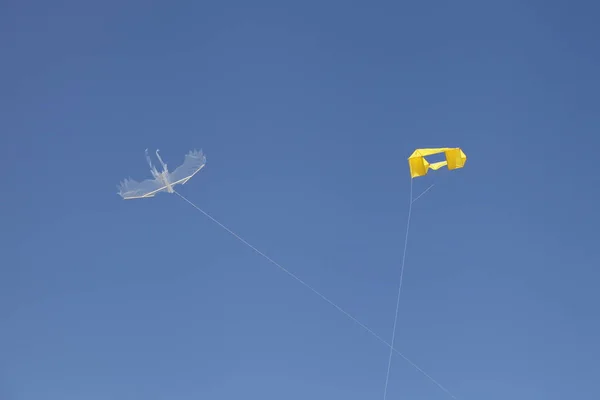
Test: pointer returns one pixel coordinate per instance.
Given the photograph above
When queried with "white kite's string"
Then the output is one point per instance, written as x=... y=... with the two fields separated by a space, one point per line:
x=387 y=376
x=315 y=291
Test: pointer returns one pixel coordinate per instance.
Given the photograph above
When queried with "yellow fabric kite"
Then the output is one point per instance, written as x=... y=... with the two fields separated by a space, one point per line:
x=455 y=158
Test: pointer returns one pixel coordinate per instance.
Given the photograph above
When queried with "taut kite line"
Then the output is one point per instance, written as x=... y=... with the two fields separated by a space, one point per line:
x=419 y=166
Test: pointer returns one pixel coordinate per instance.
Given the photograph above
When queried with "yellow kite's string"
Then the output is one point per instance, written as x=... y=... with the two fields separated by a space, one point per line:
x=387 y=376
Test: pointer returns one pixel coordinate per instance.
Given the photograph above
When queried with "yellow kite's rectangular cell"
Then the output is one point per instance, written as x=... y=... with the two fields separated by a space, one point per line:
x=419 y=166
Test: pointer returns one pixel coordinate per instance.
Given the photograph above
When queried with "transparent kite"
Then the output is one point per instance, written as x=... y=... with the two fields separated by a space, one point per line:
x=164 y=180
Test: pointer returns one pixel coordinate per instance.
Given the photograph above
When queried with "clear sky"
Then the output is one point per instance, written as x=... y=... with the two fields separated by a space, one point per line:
x=307 y=112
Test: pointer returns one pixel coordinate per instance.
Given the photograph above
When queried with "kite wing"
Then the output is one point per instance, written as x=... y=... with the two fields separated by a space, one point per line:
x=130 y=189
x=455 y=158
x=194 y=161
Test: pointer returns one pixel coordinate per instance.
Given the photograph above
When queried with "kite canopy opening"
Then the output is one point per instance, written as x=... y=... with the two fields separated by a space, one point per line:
x=419 y=166
x=436 y=158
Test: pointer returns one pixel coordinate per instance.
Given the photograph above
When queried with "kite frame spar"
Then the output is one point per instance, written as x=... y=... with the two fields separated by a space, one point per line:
x=163 y=181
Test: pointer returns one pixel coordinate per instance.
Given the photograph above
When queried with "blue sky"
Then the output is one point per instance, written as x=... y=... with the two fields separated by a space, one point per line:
x=307 y=112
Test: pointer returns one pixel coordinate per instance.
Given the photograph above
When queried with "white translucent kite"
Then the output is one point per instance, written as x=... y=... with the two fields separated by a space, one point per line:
x=163 y=181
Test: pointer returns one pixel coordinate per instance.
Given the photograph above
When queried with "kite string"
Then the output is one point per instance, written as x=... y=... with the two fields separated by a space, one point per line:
x=322 y=296
x=387 y=376
x=422 y=193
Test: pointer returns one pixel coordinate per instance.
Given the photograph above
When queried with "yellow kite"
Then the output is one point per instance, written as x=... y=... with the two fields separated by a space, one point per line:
x=455 y=158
